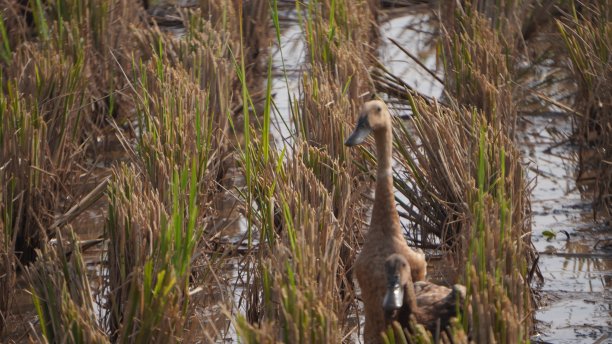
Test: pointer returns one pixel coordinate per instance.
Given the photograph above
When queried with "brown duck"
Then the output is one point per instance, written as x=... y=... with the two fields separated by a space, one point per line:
x=384 y=236
x=432 y=305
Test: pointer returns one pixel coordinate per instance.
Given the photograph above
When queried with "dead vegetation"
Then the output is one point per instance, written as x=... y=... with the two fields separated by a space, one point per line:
x=63 y=297
x=189 y=111
x=310 y=211
x=57 y=78
x=74 y=79
x=461 y=174
x=587 y=34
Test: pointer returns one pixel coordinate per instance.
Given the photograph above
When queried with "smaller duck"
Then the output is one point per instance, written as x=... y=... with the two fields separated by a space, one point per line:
x=432 y=305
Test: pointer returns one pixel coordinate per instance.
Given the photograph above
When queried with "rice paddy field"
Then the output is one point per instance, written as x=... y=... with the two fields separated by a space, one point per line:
x=175 y=171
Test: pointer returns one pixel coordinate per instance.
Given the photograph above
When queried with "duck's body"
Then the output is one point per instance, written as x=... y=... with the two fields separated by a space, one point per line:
x=432 y=305
x=384 y=236
x=372 y=281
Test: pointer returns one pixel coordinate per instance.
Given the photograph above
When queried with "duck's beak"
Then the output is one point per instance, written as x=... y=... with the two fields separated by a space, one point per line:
x=362 y=130
x=394 y=298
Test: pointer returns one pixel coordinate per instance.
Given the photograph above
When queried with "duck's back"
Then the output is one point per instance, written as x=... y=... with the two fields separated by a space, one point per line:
x=437 y=302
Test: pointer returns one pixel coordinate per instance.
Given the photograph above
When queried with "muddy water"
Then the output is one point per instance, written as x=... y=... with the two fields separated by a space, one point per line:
x=576 y=305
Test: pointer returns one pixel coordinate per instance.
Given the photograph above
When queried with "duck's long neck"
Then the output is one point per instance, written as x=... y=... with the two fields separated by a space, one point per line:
x=384 y=213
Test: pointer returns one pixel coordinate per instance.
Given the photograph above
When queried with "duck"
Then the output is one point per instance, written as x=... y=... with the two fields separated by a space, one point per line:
x=384 y=236
x=433 y=306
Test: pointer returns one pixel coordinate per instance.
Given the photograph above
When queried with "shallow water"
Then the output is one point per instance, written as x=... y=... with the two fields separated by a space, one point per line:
x=576 y=304
x=287 y=61
x=414 y=32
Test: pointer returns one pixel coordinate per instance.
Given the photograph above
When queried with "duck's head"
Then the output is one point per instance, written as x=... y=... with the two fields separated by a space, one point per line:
x=374 y=116
x=398 y=275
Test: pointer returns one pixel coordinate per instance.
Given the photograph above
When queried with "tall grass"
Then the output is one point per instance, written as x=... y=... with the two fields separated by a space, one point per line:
x=587 y=35
x=478 y=53
x=150 y=253
x=248 y=26
x=42 y=141
x=164 y=204
x=57 y=89
x=308 y=208
x=40 y=134
x=338 y=41
x=73 y=71
x=298 y=261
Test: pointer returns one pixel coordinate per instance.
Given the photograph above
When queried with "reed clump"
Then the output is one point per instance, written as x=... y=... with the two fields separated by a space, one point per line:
x=164 y=203
x=62 y=295
x=308 y=206
x=248 y=28
x=73 y=70
x=416 y=333
x=338 y=43
x=478 y=55
x=299 y=253
x=177 y=125
x=587 y=35
x=93 y=34
x=58 y=89
x=150 y=250
x=41 y=143
x=479 y=168
x=42 y=123
x=461 y=174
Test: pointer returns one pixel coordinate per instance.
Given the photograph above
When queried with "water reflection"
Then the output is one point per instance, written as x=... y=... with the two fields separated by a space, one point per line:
x=576 y=298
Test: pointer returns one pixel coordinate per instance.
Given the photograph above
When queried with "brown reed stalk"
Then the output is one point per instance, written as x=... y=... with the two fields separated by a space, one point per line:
x=310 y=211
x=62 y=295
x=57 y=89
x=587 y=34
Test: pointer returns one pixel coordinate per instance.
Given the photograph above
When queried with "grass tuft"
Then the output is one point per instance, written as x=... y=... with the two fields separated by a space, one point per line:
x=62 y=296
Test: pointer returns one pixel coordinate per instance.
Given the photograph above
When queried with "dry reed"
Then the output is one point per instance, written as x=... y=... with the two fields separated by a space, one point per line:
x=73 y=70
x=185 y=99
x=308 y=208
x=58 y=87
x=587 y=34
x=149 y=257
x=63 y=297
x=461 y=173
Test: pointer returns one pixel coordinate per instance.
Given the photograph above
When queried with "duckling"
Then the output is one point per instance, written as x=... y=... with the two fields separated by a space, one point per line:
x=431 y=304
x=384 y=237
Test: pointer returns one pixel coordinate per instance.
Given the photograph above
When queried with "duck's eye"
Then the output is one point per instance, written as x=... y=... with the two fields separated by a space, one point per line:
x=403 y=265
x=378 y=109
